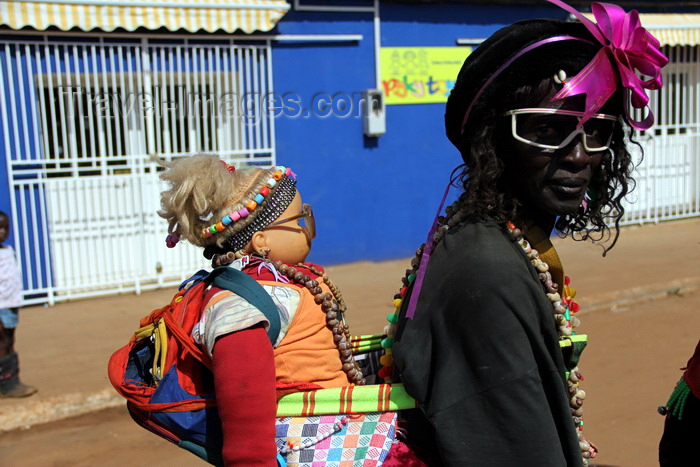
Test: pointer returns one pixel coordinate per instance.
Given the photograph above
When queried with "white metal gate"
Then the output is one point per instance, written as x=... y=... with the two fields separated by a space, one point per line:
x=668 y=178
x=81 y=120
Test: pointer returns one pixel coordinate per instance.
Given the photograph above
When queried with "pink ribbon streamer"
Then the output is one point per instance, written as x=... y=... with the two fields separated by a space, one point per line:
x=425 y=257
x=508 y=63
x=628 y=48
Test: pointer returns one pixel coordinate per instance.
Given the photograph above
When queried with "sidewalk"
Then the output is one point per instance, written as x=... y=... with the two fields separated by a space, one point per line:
x=64 y=349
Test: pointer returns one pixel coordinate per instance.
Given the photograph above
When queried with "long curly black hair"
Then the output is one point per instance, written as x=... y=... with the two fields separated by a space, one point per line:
x=485 y=137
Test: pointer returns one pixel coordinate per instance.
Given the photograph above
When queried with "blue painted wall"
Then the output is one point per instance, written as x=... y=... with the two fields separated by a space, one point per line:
x=374 y=198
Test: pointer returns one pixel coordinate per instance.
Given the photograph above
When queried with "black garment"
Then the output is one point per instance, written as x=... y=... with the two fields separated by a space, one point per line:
x=482 y=356
x=680 y=438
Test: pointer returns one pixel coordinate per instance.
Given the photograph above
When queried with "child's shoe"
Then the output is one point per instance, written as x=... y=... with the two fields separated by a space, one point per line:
x=20 y=390
x=10 y=385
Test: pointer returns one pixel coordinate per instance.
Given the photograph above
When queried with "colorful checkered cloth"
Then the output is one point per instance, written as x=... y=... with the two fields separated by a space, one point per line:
x=363 y=441
x=315 y=423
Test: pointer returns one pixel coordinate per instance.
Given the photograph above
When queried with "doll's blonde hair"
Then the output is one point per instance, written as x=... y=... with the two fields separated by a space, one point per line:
x=202 y=191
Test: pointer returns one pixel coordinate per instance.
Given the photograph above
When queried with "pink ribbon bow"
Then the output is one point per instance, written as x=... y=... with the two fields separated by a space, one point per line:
x=627 y=48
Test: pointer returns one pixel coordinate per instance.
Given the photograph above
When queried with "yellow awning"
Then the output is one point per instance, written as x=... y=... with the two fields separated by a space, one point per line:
x=671 y=28
x=107 y=15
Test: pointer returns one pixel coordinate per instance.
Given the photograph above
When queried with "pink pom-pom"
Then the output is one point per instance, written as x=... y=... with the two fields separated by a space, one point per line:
x=171 y=240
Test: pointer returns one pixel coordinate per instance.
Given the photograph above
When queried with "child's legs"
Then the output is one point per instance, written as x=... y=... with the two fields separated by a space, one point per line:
x=4 y=341
x=8 y=323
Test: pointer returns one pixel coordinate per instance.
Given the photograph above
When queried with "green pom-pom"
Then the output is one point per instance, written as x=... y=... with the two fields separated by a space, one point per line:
x=387 y=343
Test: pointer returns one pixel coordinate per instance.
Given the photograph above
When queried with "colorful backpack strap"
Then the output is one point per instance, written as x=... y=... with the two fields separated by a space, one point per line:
x=211 y=455
x=245 y=286
x=346 y=399
x=194 y=279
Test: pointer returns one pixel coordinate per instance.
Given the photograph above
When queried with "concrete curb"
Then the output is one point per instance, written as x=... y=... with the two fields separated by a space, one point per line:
x=31 y=411
x=39 y=411
x=620 y=300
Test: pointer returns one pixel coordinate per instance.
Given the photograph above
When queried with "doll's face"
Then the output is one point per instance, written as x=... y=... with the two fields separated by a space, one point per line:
x=290 y=241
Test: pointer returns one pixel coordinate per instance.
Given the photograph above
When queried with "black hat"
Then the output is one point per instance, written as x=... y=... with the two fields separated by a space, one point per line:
x=531 y=66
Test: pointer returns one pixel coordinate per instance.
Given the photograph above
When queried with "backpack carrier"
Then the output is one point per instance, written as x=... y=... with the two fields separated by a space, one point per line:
x=166 y=376
x=166 y=379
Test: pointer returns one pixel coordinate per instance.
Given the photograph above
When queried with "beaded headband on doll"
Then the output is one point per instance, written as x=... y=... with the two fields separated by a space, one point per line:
x=273 y=208
x=251 y=205
x=272 y=205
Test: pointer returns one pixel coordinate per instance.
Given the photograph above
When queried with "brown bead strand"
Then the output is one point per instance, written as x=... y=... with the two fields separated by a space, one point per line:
x=223 y=259
x=576 y=394
x=336 y=294
x=333 y=306
x=335 y=318
x=453 y=216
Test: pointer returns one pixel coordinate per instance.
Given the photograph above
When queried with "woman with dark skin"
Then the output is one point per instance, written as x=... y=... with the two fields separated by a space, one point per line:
x=486 y=328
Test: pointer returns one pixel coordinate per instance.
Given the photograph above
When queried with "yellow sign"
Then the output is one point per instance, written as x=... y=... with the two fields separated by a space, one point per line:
x=420 y=75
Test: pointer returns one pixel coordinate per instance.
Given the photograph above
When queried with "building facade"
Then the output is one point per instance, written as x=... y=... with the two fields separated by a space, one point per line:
x=349 y=94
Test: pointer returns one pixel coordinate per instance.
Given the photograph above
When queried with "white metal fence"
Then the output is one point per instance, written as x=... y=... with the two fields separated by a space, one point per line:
x=668 y=177
x=81 y=120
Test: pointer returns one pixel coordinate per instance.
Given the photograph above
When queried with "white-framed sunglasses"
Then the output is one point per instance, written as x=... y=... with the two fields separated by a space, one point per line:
x=548 y=128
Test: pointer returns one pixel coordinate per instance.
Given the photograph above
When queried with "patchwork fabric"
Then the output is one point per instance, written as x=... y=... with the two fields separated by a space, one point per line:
x=338 y=440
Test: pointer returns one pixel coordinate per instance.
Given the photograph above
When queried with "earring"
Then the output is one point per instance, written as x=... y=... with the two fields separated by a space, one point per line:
x=264 y=252
x=587 y=199
x=560 y=77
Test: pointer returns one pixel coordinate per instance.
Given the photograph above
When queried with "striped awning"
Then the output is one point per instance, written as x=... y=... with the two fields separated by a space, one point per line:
x=107 y=15
x=671 y=28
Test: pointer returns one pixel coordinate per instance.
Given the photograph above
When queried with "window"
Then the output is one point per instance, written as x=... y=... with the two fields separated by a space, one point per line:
x=101 y=106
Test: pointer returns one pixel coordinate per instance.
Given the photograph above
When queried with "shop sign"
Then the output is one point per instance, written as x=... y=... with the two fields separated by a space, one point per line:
x=420 y=75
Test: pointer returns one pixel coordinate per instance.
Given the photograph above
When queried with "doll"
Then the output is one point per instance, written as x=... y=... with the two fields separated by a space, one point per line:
x=254 y=220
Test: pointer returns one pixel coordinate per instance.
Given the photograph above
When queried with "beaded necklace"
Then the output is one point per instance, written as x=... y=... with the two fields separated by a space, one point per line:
x=563 y=308
x=332 y=305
